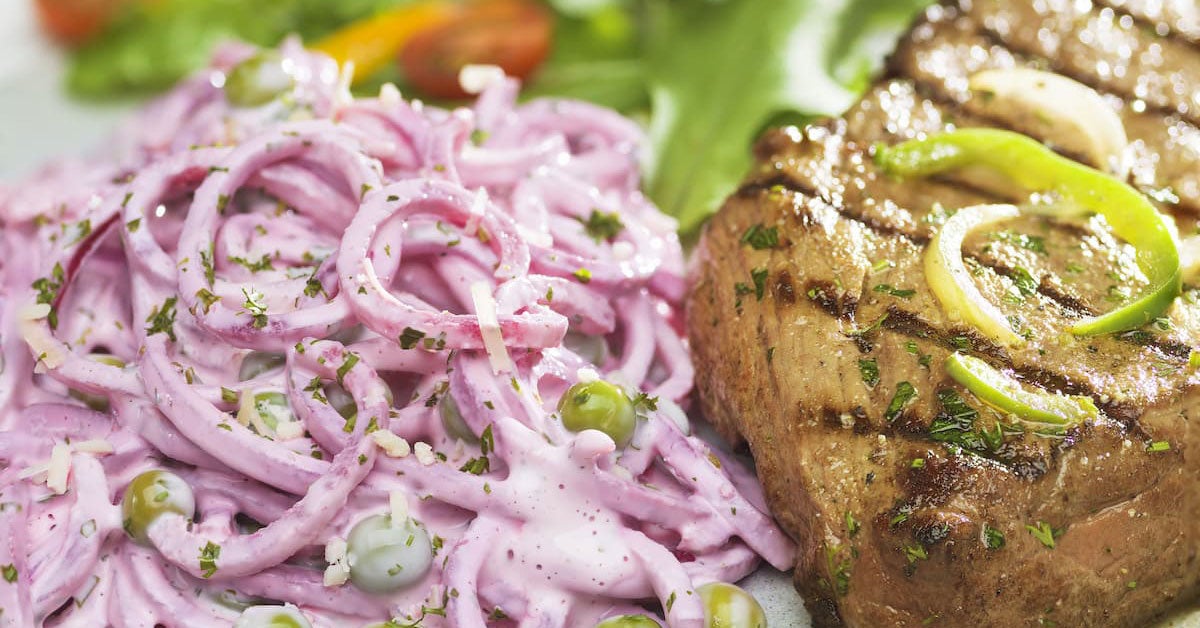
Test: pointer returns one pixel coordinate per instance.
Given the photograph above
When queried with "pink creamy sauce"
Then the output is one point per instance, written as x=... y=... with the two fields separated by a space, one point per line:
x=331 y=239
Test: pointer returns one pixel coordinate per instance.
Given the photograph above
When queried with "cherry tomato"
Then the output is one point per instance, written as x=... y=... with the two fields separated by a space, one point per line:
x=513 y=34
x=73 y=22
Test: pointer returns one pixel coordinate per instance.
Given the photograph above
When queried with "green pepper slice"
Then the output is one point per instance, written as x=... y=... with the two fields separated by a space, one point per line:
x=1035 y=168
x=1005 y=393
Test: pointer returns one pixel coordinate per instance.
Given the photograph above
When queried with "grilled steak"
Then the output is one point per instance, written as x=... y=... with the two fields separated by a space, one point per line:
x=822 y=348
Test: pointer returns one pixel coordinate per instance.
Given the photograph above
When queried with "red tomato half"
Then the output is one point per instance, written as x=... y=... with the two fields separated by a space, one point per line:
x=73 y=22
x=513 y=34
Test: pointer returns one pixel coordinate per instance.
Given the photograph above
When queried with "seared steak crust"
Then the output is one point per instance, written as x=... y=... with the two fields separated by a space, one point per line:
x=804 y=346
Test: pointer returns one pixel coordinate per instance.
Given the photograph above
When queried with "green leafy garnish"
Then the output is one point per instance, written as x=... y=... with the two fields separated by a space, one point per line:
x=162 y=319
x=347 y=363
x=1044 y=533
x=903 y=293
x=904 y=395
x=759 y=277
x=47 y=292
x=254 y=266
x=868 y=368
x=208 y=558
x=992 y=538
x=603 y=226
x=761 y=238
x=410 y=337
x=255 y=306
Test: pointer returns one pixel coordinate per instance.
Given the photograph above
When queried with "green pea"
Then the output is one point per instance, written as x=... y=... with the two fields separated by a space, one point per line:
x=273 y=407
x=598 y=405
x=343 y=402
x=729 y=606
x=594 y=349
x=452 y=419
x=99 y=403
x=385 y=557
x=150 y=495
x=235 y=600
x=629 y=621
x=257 y=80
x=256 y=363
x=272 y=617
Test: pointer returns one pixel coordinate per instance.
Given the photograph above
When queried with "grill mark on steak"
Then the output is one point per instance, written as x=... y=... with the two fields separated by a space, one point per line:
x=961 y=46
x=1179 y=18
x=1095 y=47
x=843 y=304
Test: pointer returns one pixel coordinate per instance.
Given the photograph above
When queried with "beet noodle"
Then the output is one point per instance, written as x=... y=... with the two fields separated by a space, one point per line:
x=325 y=308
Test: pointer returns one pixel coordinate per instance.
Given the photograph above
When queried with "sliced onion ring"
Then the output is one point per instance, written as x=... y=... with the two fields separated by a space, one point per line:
x=950 y=280
x=1067 y=113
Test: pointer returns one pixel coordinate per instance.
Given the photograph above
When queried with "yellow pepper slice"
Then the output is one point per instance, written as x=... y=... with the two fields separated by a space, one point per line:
x=951 y=282
x=374 y=42
x=1035 y=168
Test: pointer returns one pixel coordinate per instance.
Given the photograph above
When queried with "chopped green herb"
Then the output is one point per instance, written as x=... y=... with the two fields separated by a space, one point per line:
x=254 y=266
x=882 y=265
x=312 y=286
x=852 y=525
x=162 y=319
x=761 y=238
x=410 y=337
x=869 y=369
x=1024 y=281
x=1037 y=244
x=644 y=402
x=839 y=569
x=992 y=538
x=206 y=262
x=477 y=466
x=1043 y=533
x=487 y=442
x=207 y=298
x=884 y=288
x=602 y=226
x=759 y=276
x=228 y=395
x=955 y=424
x=47 y=292
x=208 y=558
x=917 y=463
x=347 y=363
x=10 y=572
x=255 y=306
x=904 y=395
x=583 y=275
x=915 y=552
x=1159 y=445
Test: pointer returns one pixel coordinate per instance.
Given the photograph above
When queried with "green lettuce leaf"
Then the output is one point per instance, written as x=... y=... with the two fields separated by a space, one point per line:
x=720 y=72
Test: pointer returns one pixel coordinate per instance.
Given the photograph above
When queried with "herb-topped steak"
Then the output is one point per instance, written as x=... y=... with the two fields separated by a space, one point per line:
x=820 y=344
